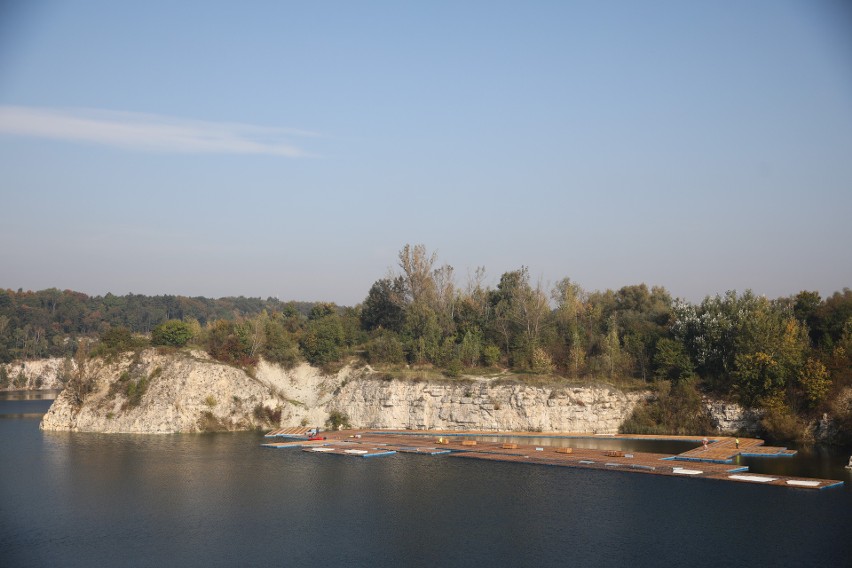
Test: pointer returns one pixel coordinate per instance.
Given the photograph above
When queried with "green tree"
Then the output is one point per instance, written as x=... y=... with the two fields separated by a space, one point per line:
x=422 y=333
x=568 y=318
x=323 y=339
x=229 y=342
x=806 y=306
x=714 y=333
x=350 y=318
x=671 y=361
x=471 y=309
x=470 y=349
x=279 y=346
x=173 y=333
x=385 y=347
x=815 y=381
x=117 y=339
x=520 y=315
x=541 y=362
x=770 y=350
x=832 y=318
x=675 y=409
x=491 y=355
x=643 y=315
x=612 y=349
x=416 y=264
x=384 y=306
x=445 y=299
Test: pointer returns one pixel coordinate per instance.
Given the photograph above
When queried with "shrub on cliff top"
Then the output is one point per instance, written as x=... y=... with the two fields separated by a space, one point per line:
x=323 y=340
x=230 y=342
x=173 y=333
x=385 y=347
x=116 y=340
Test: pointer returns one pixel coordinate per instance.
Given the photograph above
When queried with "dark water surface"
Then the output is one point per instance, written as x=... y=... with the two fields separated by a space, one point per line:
x=222 y=500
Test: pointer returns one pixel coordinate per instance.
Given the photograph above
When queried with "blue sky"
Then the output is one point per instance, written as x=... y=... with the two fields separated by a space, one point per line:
x=290 y=149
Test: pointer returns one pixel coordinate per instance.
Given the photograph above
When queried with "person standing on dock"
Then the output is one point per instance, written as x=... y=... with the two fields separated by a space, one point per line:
x=738 y=443
x=704 y=443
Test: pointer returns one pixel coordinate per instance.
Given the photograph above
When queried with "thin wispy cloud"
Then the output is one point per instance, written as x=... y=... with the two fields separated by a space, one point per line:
x=151 y=133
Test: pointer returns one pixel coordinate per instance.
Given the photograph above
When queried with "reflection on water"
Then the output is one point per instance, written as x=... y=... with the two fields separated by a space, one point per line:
x=74 y=499
x=24 y=407
x=29 y=395
x=810 y=461
x=22 y=416
x=600 y=443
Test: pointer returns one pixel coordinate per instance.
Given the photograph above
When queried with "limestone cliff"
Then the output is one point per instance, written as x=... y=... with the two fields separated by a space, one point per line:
x=155 y=393
x=730 y=417
x=189 y=392
x=483 y=404
x=41 y=374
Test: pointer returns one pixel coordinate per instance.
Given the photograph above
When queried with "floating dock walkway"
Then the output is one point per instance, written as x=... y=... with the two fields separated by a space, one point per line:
x=360 y=451
x=716 y=462
x=295 y=433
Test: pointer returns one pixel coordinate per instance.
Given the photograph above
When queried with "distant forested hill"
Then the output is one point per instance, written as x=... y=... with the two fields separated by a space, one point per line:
x=39 y=324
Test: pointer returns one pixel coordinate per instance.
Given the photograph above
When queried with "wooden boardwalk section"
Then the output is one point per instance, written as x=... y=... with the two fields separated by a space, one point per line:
x=293 y=432
x=714 y=463
x=726 y=449
x=353 y=450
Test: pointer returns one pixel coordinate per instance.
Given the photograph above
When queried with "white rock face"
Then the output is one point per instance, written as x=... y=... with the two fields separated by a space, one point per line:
x=183 y=394
x=482 y=405
x=41 y=374
x=191 y=392
x=730 y=417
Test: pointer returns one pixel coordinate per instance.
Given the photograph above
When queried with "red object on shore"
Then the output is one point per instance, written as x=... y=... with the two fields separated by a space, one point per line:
x=316 y=437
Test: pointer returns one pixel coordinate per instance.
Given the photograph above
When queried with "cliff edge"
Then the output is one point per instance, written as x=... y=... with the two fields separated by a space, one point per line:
x=154 y=392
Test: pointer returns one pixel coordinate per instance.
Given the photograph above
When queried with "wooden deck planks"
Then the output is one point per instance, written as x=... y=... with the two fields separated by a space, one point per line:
x=291 y=432
x=726 y=449
x=361 y=451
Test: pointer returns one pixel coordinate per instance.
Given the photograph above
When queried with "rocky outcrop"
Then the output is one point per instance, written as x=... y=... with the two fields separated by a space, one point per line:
x=480 y=404
x=155 y=393
x=834 y=428
x=731 y=418
x=189 y=392
x=41 y=374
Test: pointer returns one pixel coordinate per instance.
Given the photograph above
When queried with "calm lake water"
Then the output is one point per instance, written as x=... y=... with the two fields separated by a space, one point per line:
x=222 y=500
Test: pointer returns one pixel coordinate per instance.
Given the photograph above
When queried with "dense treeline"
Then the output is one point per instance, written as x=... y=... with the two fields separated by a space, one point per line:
x=789 y=357
x=46 y=323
